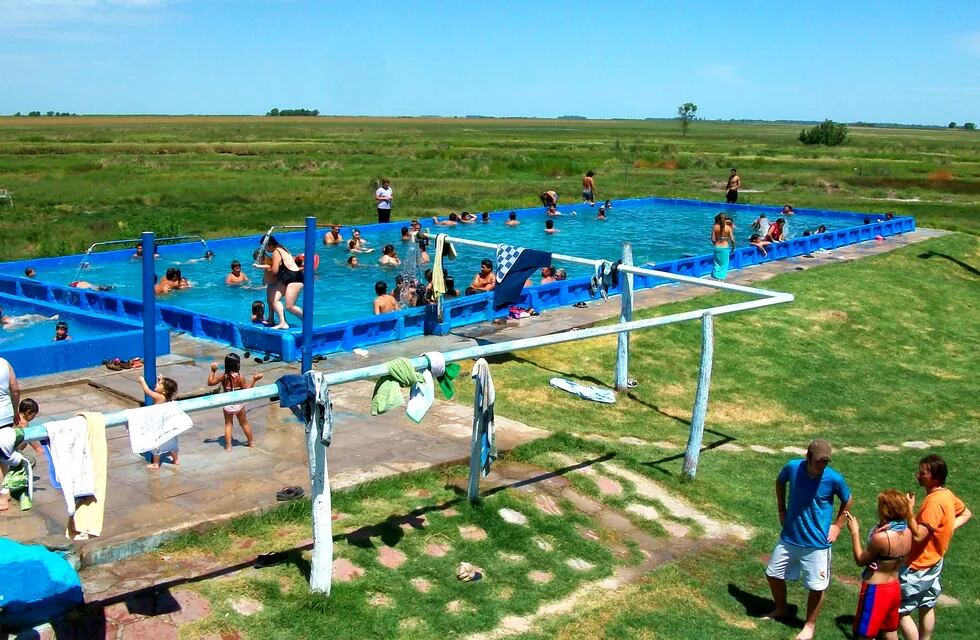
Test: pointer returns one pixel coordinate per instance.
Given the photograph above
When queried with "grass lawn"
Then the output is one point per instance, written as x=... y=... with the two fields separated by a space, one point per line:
x=81 y=180
x=880 y=351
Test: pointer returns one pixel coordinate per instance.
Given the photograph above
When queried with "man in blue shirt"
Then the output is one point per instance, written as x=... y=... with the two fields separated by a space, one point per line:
x=809 y=530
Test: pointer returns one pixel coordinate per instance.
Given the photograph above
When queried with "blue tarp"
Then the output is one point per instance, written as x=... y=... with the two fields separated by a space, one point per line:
x=36 y=585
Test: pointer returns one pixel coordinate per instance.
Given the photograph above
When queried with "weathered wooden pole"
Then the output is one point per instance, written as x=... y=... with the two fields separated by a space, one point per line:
x=700 y=398
x=625 y=315
x=321 y=570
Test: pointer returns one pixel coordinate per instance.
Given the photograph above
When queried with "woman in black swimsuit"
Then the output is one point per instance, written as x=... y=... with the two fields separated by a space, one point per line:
x=290 y=276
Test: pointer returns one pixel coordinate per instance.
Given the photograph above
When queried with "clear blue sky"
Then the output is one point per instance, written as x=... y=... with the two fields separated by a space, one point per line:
x=911 y=62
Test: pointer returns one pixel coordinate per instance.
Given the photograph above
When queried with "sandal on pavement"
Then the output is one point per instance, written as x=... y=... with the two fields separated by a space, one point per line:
x=289 y=493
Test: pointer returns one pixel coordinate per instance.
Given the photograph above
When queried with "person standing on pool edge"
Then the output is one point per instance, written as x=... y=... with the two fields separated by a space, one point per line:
x=808 y=531
x=932 y=528
x=731 y=189
x=383 y=197
x=588 y=188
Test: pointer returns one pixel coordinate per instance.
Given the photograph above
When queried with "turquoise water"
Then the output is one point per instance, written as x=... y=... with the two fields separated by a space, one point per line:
x=658 y=232
x=41 y=331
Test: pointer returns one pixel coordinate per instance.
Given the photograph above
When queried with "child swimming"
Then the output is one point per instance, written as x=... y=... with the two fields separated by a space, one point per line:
x=233 y=380
x=258 y=312
x=236 y=276
x=61 y=332
x=24 y=320
x=165 y=391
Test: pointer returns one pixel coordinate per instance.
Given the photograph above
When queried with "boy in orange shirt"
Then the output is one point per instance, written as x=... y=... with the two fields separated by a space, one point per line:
x=932 y=528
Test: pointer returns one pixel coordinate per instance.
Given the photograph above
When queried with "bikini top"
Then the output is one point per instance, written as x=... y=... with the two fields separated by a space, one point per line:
x=898 y=526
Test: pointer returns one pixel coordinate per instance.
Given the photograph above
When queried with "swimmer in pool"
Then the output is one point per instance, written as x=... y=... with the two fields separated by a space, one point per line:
x=553 y=212
x=30 y=272
x=423 y=244
x=485 y=217
x=512 y=220
x=258 y=312
x=269 y=279
x=333 y=236
x=389 y=258
x=385 y=302
x=547 y=275
x=453 y=220
x=24 y=320
x=139 y=252
x=61 y=332
x=406 y=234
x=608 y=205
x=602 y=214
x=467 y=218
x=82 y=284
x=162 y=287
x=236 y=276
x=352 y=262
x=549 y=227
x=181 y=282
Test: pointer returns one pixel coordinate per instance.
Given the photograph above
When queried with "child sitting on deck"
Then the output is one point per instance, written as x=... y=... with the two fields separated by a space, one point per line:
x=233 y=380
x=165 y=391
x=15 y=483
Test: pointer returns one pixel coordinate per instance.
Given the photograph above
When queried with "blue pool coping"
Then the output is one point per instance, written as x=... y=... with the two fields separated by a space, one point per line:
x=118 y=338
x=419 y=321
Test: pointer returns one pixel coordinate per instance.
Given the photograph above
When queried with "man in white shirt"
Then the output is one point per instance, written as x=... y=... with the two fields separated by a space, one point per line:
x=383 y=197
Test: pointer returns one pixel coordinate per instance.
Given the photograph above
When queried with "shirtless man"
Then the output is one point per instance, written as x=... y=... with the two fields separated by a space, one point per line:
x=388 y=257
x=453 y=220
x=731 y=189
x=333 y=236
x=483 y=281
x=236 y=276
x=547 y=275
x=588 y=188
x=512 y=220
x=549 y=226
x=385 y=302
x=549 y=199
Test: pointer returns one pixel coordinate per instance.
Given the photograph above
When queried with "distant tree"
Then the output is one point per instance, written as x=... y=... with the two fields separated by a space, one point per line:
x=17 y=115
x=951 y=125
x=685 y=113
x=969 y=126
x=827 y=132
x=50 y=113
x=294 y=112
x=274 y=112
x=34 y=114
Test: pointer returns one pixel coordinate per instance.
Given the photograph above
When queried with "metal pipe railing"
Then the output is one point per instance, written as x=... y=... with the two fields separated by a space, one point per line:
x=374 y=371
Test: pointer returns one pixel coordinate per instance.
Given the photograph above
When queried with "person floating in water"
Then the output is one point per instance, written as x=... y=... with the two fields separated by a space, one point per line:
x=588 y=188
x=24 y=320
x=352 y=262
x=385 y=302
x=236 y=276
x=82 y=284
x=731 y=189
x=333 y=236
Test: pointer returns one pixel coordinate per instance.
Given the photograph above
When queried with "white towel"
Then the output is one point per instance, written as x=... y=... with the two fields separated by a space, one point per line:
x=72 y=459
x=421 y=397
x=153 y=426
x=483 y=421
x=437 y=363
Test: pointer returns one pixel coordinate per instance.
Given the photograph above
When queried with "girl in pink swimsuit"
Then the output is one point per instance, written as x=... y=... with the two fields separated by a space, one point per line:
x=232 y=380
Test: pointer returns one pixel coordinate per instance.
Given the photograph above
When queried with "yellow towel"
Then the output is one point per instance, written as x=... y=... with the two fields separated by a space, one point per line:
x=438 y=274
x=89 y=512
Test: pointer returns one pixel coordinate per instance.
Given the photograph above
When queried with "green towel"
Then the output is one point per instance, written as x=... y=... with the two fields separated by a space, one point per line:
x=446 y=380
x=387 y=394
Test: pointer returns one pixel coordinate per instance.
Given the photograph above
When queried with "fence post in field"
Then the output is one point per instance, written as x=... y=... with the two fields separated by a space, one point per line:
x=625 y=315
x=700 y=398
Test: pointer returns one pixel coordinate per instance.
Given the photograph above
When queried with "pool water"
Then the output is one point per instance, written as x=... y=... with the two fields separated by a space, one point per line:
x=40 y=331
x=657 y=232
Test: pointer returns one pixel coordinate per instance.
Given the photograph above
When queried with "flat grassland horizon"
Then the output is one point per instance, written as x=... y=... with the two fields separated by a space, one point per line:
x=79 y=180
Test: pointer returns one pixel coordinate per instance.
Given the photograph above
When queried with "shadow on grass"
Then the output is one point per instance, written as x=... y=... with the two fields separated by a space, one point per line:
x=956 y=261
x=512 y=357
x=845 y=624
x=724 y=438
x=757 y=606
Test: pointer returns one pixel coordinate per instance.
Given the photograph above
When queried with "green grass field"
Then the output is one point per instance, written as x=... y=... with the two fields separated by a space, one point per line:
x=79 y=180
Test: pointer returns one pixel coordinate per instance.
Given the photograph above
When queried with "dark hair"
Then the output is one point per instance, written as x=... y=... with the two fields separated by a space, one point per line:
x=406 y=231
x=233 y=363
x=29 y=271
x=257 y=254
x=720 y=218
x=172 y=274
x=822 y=229
x=428 y=274
x=755 y=237
x=602 y=212
x=28 y=405
x=351 y=243
x=549 y=224
x=180 y=276
x=61 y=325
x=936 y=466
x=380 y=287
x=451 y=286
x=139 y=248
x=486 y=215
x=512 y=215
x=388 y=249
x=589 y=173
x=781 y=221
x=169 y=388
x=269 y=240
x=734 y=170
x=807 y=233
x=258 y=307
x=486 y=263
x=350 y=260
x=453 y=217
x=235 y=263
x=399 y=279
x=867 y=221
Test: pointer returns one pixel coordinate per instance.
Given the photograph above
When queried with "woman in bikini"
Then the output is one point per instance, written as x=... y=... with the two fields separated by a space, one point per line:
x=290 y=278
x=888 y=542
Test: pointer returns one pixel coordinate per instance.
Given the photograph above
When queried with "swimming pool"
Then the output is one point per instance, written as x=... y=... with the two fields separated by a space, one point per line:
x=673 y=234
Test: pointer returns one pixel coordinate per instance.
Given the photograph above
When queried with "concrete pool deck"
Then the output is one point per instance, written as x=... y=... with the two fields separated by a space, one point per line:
x=143 y=507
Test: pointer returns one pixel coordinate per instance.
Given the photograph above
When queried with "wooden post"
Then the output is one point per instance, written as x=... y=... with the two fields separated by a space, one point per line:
x=625 y=315
x=700 y=398
x=321 y=570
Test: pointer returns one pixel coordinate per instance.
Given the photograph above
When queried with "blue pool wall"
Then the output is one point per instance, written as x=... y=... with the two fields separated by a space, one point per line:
x=418 y=321
x=118 y=338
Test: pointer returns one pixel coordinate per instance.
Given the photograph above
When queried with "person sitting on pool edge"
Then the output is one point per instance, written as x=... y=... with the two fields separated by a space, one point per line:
x=333 y=237
x=61 y=332
x=384 y=303
x=512 y=220
x=549 y=227
x=483 y=281
x=236 y=276
x=388 y=257
x=759 y=243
